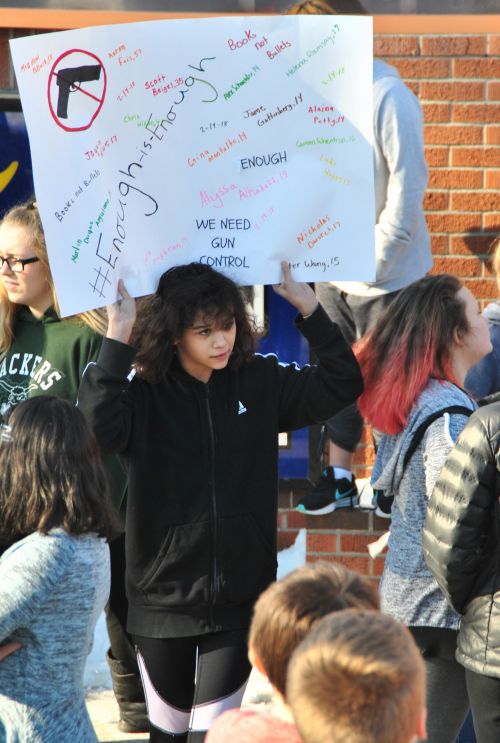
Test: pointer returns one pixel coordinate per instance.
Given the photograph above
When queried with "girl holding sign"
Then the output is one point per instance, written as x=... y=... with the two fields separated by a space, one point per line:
x=42 y=354
x=198 y=428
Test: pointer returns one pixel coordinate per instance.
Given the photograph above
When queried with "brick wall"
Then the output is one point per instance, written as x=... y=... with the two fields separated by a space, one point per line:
x=457 y=79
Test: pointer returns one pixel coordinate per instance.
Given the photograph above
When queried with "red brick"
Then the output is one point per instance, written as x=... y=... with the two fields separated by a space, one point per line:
x=486 y=201
x=414 y=86
x=453 y=222
x=494 y=91
x=436 y=201
x=458 y=266
x=476 y=244
x=494 y=44
x=378 y=566
x=482 y=113
x=453 y=46
x=359 y=564
x=476 y=156
x=440 y=244
x=492 y=222
x=423 y=68
x=448 y=178
x=479 y=68
x=286 y=539
x=296 y=520
x=482 y=288
x=326 y=542
x=356 y=542
x=493 y=179
x=452 y=91
x=436 y=112
x=437 y=156
x=364 y=455
x=366 y=435
x=493 y=135
x=390 y=46
x=462 y=135
x=361 y=471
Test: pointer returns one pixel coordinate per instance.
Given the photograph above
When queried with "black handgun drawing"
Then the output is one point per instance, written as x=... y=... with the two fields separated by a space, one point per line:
x=68 y=80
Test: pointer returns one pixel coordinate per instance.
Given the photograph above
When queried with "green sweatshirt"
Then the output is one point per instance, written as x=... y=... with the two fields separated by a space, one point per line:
x=47 y=357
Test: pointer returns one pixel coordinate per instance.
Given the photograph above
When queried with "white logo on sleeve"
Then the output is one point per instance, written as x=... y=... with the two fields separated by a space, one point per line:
x=241 y=408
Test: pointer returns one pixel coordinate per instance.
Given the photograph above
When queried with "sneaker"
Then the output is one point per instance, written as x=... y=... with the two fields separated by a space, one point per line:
x=329 y=494
x=384 y=504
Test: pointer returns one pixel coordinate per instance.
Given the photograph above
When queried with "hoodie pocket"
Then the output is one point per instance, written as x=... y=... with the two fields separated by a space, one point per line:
x=247 y=560
x=178 y=576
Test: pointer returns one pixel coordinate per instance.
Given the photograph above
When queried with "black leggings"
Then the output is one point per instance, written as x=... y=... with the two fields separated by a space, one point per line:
x=190 y=681
x=484 y=695
x=447 y=701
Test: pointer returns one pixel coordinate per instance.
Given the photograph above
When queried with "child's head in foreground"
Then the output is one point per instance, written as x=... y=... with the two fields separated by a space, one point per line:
x=358 y=677
x=289 y=608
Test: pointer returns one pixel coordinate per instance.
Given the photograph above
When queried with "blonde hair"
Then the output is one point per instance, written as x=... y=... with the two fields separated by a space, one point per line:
x=286 y=611
x=321 y=7
x=27 y=216
x=358 y=676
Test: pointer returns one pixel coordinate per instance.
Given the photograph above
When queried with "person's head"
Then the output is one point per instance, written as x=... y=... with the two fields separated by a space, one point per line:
x=21 y=239
x=433 y=328
x=52 y=475
x=25 y=277
x=320 y=7
x=197 y=314
x=289 y=608
x=358 y=676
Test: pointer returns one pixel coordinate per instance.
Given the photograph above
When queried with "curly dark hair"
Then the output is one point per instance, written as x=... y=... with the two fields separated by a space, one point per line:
x=184 y=294
x=52 y=474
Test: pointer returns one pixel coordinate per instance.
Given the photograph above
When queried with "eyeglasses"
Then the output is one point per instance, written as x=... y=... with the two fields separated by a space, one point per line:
x=17 y=264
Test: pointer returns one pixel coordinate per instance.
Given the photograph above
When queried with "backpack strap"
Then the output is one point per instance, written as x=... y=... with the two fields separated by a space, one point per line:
x=422 y=428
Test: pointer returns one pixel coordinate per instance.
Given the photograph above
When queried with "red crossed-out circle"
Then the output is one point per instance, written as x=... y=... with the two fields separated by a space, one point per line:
x=52 y=89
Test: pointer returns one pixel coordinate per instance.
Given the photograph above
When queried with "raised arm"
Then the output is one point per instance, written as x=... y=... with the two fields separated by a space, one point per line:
x=315 y=392
x=102 y=395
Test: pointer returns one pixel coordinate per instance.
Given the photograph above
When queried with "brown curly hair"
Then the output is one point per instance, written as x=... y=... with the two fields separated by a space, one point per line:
x=184 y=294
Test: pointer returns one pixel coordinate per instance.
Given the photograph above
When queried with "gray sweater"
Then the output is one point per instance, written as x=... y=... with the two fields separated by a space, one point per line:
x=52 y=590
x=408 y=590
x=402 y=243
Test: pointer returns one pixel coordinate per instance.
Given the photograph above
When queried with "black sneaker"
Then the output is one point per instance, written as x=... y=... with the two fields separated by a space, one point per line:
x=329 y=494
x=384 y=504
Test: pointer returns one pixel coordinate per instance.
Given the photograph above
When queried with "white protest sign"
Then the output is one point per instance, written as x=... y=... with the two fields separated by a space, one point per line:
x=238 y=142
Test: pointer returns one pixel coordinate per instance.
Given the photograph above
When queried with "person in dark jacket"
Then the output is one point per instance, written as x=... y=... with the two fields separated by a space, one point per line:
x=198 y=428
x=484 y=378
x=461 y=542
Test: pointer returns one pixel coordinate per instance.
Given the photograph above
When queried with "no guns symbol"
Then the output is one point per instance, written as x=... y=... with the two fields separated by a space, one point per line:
x=81 y=73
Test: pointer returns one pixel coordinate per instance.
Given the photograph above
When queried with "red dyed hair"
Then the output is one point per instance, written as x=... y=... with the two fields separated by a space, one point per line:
x=410 y=343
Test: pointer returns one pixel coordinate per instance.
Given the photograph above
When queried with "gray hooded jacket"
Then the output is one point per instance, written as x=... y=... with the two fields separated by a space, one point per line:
x=408 y=590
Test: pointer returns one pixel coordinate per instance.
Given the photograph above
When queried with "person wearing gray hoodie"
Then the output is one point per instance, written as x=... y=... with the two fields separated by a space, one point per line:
x=402 y=250
x=414 y=363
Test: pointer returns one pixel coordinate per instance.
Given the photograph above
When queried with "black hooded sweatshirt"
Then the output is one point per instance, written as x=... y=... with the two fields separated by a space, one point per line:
x=202 y=462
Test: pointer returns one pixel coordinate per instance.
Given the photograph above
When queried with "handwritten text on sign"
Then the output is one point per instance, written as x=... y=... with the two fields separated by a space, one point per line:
x=238 y=142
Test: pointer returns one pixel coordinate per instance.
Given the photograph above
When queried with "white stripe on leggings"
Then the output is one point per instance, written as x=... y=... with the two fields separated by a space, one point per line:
x=203 y=715
x=162 y=715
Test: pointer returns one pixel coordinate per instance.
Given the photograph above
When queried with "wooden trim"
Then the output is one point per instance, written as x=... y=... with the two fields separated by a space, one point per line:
x=55 y=19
